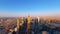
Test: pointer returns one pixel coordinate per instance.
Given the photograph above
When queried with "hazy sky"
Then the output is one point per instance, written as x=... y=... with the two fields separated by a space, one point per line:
x=29 y=7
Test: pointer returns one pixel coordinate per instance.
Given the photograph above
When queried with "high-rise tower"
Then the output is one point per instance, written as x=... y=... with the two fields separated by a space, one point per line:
x=28 y=24
x=18 y=23
x=38 y=19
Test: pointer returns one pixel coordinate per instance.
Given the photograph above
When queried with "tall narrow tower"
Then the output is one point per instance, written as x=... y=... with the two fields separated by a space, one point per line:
x=28 y=24
x=22 y=21
x=18 y=23
x=38 y=19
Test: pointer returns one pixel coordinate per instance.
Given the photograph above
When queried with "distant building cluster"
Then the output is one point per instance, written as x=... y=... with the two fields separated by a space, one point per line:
x=29 y=25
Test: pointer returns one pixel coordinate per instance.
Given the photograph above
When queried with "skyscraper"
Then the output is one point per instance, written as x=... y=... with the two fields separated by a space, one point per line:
x=38 y=19
x=18 y=23
x=28 y=25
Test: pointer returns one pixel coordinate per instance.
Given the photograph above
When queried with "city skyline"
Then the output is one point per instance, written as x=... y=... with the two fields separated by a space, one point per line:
x=18 y=8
